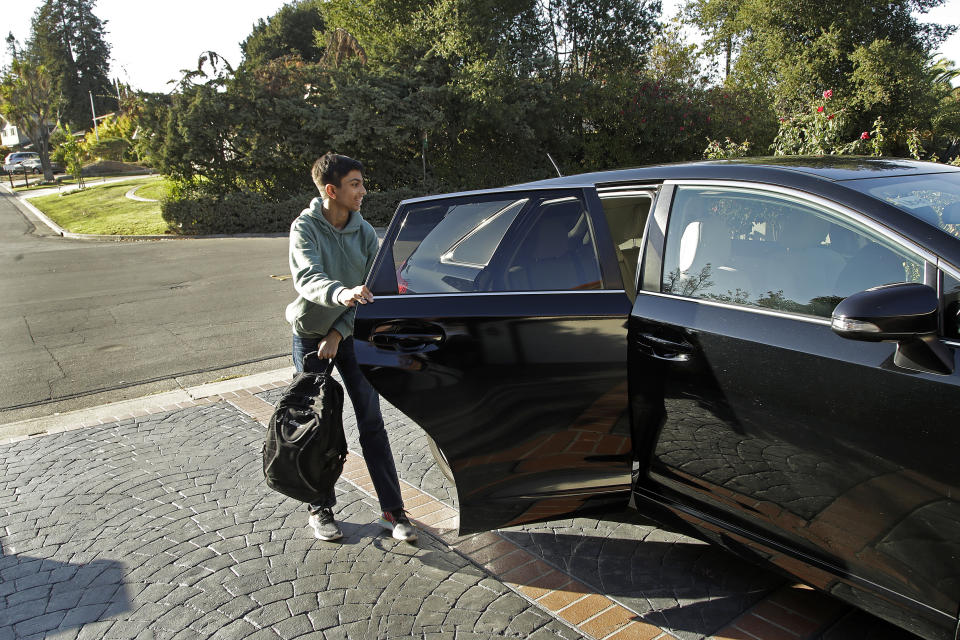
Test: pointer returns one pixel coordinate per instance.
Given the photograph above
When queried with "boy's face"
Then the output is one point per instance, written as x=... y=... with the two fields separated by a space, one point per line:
x=350 y=192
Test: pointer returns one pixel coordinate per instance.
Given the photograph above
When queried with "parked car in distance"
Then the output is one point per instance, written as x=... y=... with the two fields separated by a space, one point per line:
x=761 y=351
x=30 y=164
x=13 y=160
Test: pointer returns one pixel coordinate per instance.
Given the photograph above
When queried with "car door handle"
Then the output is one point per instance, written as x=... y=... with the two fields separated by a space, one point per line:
x=663 y=349
x=405 y=338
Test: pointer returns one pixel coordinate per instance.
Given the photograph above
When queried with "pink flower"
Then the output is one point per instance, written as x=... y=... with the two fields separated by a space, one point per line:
x=828 y=94
x=865 y=135
x=820 y=109
x=831 y=116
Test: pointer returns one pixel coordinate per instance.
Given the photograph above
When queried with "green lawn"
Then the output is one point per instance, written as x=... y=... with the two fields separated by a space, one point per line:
x=104 y=210
x=156 y=191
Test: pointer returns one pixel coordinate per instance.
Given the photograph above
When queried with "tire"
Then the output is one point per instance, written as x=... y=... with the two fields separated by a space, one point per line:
x=442 y=463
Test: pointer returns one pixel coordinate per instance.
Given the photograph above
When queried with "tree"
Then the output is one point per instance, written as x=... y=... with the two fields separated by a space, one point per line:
x=290 y=31
x=718 y=20
x=71 y=152
x=593 y=37
x=70 y=41
x=27 y=99
x=872 y=55
x=672 y=57
x=794 y=50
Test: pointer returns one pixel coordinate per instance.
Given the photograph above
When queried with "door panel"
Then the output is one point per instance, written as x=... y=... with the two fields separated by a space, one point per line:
x=524 y=394
x=493 y=331
x=790 y=432
x=836 y=463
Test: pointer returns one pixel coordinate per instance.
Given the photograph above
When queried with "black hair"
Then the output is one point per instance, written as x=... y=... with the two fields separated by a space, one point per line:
x=331 y=169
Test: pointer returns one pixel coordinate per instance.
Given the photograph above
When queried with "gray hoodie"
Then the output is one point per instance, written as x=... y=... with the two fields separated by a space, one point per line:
x=324 y=260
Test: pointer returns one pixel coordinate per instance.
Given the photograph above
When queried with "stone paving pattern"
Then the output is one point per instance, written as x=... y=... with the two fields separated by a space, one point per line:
x=683 y=585
x=161 y=527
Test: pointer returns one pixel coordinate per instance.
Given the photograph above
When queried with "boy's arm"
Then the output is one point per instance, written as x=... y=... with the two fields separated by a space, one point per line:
x=344 y=323
x=306 y=266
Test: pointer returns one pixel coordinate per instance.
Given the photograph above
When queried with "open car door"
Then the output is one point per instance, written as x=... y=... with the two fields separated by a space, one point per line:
x=495 y=331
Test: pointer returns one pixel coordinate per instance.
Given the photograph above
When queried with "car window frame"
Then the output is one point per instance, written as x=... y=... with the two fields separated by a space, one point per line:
x=382 y=278
x=646 y=187
x=652 y=269
x=525 y=223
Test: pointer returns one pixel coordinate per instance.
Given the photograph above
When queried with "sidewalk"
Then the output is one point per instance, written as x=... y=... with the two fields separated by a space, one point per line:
x=36 y=193
x=150 y=519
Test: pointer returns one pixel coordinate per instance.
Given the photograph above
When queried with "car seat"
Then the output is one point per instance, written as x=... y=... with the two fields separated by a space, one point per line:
x=557 y=254
x=705 y=262
x=807 y=269
x=872 y=266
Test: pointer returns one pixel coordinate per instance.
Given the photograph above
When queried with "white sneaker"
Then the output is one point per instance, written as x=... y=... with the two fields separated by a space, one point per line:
x=324 y=526
x=397 y=522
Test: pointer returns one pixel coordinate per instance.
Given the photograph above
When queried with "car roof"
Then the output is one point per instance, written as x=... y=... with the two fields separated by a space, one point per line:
x=778 y=170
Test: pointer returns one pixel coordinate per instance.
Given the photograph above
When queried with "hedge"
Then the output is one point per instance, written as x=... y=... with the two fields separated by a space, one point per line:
x=192 y=213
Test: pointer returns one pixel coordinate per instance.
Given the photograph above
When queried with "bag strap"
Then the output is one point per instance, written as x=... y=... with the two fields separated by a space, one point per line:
x=317 y=369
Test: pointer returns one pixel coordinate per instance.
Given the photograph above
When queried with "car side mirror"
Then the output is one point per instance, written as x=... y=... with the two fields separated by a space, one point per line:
x=906 y=313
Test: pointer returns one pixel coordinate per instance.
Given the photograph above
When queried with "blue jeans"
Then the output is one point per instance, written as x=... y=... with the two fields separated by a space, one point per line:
x=373 y=436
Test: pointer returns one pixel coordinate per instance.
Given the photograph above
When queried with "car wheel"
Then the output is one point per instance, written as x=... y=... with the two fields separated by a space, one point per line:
x=441 y=459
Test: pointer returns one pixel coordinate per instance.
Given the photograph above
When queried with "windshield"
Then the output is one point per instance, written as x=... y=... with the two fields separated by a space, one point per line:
x=934 y=197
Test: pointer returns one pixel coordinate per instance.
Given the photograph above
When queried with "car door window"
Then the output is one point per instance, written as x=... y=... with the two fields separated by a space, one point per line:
x=556 y=253
x=444 y=246
x=772 y=251
x=626 y=216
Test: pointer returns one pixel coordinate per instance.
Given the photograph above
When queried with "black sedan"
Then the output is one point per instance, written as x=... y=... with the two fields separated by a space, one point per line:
x=762 y=351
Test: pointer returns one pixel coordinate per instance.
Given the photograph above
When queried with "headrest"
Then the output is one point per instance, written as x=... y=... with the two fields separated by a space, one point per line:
x=802 y=231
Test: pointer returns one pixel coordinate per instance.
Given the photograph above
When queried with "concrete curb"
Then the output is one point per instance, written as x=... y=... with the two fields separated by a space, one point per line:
x=110 y=412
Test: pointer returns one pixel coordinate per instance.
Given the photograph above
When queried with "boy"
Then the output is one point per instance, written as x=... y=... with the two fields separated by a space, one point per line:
x=331 y=251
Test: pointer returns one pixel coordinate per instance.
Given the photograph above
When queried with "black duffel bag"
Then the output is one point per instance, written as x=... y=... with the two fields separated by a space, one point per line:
x=305 y=448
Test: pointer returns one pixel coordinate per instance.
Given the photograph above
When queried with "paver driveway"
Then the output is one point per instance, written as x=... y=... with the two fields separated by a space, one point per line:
x=159 y=526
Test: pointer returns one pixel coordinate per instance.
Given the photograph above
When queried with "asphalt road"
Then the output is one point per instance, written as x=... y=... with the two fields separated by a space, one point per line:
x=84 y=322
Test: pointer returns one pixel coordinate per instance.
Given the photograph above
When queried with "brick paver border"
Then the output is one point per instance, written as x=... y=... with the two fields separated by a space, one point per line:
x=792 y=613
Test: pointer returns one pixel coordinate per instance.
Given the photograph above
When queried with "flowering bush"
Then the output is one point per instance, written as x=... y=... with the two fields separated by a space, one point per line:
x=821 y=131
x=729 y=149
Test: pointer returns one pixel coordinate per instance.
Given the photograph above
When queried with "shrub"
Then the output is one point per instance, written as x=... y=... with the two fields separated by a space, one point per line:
x=821 y=130
x=108 y=148
x=728 y=149
x=191 y=212
x=379 y=206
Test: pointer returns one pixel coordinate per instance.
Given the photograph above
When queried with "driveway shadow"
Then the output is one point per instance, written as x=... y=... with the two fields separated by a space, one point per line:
x=40 y=595
x=671 y=581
